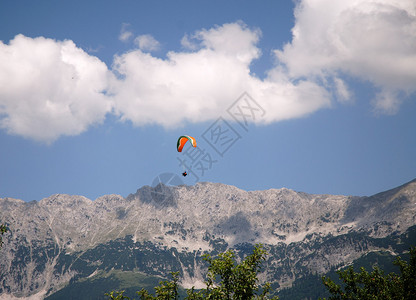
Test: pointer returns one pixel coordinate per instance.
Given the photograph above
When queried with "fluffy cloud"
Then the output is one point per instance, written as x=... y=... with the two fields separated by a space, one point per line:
x=50 y=88
x=146 y=42
x=374 y=40
x=200 y=85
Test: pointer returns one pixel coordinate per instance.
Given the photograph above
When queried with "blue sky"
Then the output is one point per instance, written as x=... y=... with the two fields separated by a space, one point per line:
x=94 y=94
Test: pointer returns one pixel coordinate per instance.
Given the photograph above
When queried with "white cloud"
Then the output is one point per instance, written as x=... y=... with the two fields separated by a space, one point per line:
x=187 y=43
x=342 y=91
x=374 y=40
x=200 y=85
x=387 y=101
x=232 y=39
x=146 y=42
x=50 y=88
x=125 y=34
x=53 y=88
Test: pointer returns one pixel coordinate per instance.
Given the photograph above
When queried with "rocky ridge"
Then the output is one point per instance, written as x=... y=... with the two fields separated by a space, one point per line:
x=192 y=219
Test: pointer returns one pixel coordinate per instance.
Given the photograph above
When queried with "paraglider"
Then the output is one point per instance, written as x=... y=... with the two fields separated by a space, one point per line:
x=181 y=143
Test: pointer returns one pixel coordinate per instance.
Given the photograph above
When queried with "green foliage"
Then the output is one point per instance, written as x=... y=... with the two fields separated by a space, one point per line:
x=376 y=285
x=117 y=296
x=3 y=230
x=408 y=272
x=226 y=279
x=165 y=290
x=237 y=281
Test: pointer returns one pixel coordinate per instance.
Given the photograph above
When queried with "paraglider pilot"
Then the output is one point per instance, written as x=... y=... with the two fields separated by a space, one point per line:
x=181 y=142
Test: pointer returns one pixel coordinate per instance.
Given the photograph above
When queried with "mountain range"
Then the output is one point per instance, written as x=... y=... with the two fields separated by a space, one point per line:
x=67 y=241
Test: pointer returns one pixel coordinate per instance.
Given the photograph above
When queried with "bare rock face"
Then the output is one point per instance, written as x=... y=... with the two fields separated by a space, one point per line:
x=55 y=239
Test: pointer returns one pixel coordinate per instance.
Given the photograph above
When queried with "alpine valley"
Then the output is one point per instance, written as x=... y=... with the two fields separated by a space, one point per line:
x=70 y=247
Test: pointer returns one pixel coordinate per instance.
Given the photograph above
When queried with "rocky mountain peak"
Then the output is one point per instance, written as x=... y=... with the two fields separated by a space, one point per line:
x=189 y=219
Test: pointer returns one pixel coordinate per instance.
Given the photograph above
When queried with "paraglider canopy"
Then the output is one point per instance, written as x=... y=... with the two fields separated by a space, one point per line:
x=182 y=141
